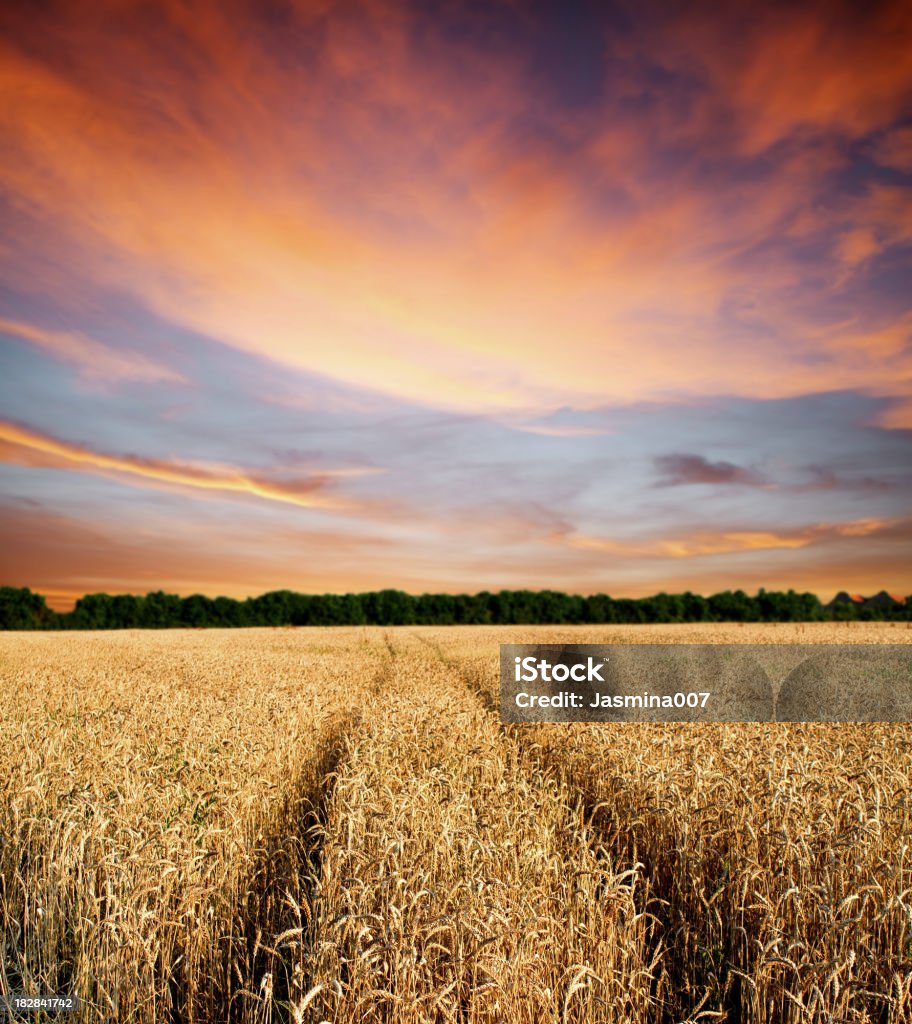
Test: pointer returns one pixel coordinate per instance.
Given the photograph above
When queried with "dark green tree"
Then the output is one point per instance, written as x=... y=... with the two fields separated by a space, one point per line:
x=21 y=609
x=92 y=612
x=733 y=606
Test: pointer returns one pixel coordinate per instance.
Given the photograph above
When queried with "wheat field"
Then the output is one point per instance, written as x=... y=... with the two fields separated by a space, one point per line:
x=333 y=825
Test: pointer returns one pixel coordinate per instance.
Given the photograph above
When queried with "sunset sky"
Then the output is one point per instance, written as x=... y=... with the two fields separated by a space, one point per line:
x=448 y=297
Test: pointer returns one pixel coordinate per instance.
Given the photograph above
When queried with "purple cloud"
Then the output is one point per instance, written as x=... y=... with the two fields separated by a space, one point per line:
x=679 y=469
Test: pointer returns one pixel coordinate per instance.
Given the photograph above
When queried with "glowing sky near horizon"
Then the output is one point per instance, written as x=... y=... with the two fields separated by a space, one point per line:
x=339 y=296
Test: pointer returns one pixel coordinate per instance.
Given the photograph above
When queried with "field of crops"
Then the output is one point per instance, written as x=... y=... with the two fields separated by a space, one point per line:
x=333 y=825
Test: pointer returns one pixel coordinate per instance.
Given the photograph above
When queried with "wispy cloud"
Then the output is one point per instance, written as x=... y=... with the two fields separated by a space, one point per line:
x=65 y=556
x=824 y=478
x=679 y=470
x=25 y=446
x=253 y=217
x=701 y=542
x=94 y=360
x=543 y=285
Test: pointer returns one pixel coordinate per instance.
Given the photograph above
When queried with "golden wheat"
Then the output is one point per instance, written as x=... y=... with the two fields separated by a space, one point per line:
x=459 y=881
x=779 y=855
x=154 y=791
x=310 y=825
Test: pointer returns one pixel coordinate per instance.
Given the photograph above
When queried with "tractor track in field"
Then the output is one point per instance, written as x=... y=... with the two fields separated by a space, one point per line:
x=604 y=828
x=616 y=836
x=300 y=941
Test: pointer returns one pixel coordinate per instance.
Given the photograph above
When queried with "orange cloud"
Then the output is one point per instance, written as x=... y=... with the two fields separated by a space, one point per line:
x=286 y=207
x=95 y=360
x=359 y=194
x=28 y=447
x=895 y=150
x=789 y=70
x=65 y=557
x=897 y=417
x=693 y=546
x=701 y=543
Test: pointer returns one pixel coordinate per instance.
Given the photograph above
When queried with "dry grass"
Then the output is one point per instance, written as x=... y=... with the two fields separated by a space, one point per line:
x=778 y=856
x=333 y=825
x=156 y=791
x=460 y=881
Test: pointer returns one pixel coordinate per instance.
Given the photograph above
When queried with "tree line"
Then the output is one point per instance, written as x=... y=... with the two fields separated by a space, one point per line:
x=22 y=609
